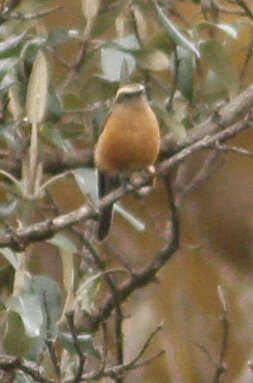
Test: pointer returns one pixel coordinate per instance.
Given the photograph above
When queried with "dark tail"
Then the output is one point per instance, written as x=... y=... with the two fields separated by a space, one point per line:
x=105 y=185
x=104 y=222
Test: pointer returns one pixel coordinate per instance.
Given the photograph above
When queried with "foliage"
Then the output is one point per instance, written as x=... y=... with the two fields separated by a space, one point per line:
x=56 y=85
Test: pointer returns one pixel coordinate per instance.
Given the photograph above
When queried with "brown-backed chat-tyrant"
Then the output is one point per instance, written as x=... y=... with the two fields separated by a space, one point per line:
x=129 y=141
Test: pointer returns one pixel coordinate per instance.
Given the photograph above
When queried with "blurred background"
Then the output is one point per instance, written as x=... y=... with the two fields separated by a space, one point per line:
x=216 y=218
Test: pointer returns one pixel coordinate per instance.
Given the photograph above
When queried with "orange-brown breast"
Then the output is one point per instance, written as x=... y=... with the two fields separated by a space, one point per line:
x=130 y=140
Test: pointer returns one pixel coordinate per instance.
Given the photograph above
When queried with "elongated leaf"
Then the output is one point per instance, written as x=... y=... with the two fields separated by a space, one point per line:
x=63 y=242
x=47 y=292
x=6 y=209
x=67 y=248
x=114 y=53
x=86 y=179
x=185 y=81
x=37 y=92
x=7 y=46
x=6 y=64
x=54 y=105
x=20 y=377
x=230 y=29
x=16 y=341
x=55 y=138
x=90 y=8
x=6 y=82
x=174 y=33
x=218 y=59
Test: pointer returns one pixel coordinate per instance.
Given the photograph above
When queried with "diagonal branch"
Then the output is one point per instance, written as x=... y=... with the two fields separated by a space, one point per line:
x=43 y=230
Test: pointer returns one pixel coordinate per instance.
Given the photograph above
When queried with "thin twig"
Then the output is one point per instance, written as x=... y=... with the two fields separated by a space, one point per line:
x=114 y=294
x=246 y=8
x=12 y=363
x=119 y=370
x=205 y=351
x=49 y=341
x=30 y=16
x=81 y=356
x=182 y=188
x=233 y=149
x=221 y=368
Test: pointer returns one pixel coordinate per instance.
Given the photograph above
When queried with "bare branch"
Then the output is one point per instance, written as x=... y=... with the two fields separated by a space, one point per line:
x=233 y=149
x=44 y=230
x=29 y=16
x=221 y=367
x=182 y=188
x=81 y=356
x=9 y=363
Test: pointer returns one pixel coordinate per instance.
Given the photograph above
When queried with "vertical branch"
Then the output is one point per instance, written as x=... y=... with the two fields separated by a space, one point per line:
x=247 y=61
x=49 y=342
x=221 y=368
x=118 y=311
x=81 y=356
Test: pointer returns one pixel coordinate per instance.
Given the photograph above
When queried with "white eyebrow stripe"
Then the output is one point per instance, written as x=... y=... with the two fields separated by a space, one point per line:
x=130 y=89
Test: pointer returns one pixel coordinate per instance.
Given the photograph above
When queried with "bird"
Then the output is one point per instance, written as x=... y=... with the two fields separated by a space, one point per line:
x=129 y=142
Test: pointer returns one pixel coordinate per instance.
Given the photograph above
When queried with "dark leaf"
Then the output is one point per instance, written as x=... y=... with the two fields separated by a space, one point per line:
x=174 y=33
x=54 y=105
x=185 y=81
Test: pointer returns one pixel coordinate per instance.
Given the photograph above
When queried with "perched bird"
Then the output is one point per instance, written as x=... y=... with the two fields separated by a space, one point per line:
x=129 y=141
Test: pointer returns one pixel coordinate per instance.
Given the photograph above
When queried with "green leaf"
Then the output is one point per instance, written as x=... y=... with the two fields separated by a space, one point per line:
x=10 y=256
x=55 y=138
x=174 y=33
x=219 y=60
x=8 y=46
x=230 y=29
x=58 y=36
x=16 y=341
x=29 y=309
x=86 y=179
x=116 y=52
x=63 y=242
x=54 y=105
x=20 y=377
x=185 y=82
x=37 y=90
x=7 y=82
x=7 y=208
x=85 y=342
x=6 y=64
x=48 y=293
